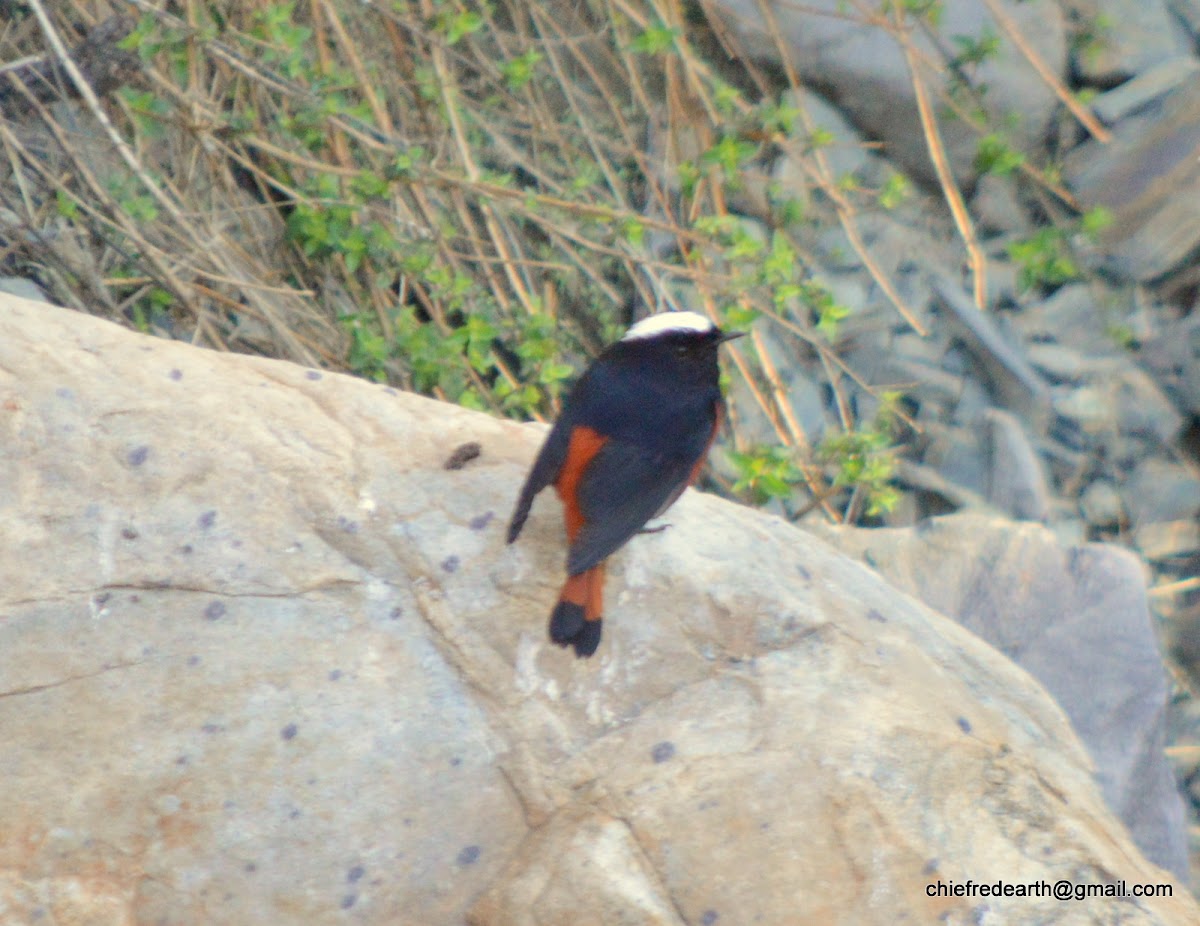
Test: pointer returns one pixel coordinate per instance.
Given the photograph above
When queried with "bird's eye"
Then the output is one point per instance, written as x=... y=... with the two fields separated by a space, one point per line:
x=681 y=350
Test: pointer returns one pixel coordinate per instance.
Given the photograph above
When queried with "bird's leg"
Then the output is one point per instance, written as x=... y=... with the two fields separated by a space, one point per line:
x=654 y=530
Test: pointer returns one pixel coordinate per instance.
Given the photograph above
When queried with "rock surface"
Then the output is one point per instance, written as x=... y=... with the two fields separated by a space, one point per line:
x=862 y=67
x=1148 y=178
x=1077 y=619
x=263 y=659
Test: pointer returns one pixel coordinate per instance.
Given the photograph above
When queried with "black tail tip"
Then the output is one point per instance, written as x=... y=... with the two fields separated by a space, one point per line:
x=569 y=627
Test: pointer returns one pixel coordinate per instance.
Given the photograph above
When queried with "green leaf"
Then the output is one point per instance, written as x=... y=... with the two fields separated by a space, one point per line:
x=896 y=189
x=655 y=40
x=830 y=318
x=634 y=231
x=520 y=70
x=1094 y=221
x=461 y=24
x=993 y=155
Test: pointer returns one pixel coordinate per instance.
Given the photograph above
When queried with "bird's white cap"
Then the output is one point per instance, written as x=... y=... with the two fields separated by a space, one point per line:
x=669 y=321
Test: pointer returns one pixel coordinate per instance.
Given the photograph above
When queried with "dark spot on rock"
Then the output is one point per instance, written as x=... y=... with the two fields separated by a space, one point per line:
x=250 y=868
x=312 y=374
x=129 y=533
x=186 y=549
x=137 y=456
x=335 y=674
x=803 y=573
x=663 y=751
x=407 y=821
x=964 y=724
x=134 y=599
x=355 y=873
x=869 y=559
x=350 y=527
x=455 y=762
x=874 y=615
x=211 y=728
x=215 y=610
x=289 y=732
x=207 y=520
x=236 y=544
x=64 y=393
x=349 y=901
x=102 y=598
x=396 y=614
x=469 y=855
x=463 y=454
x=450 y=564
x=480 y=521
x=708 y=917
x=930 y=867
x=193 y=660
x=294 y=815
x=182 y=760
x=390 y=391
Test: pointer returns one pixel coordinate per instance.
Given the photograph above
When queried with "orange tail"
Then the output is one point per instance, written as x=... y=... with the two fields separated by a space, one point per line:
x=576 y=618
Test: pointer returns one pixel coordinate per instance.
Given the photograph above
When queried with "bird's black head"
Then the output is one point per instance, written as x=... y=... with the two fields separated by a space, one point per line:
x=681 y=345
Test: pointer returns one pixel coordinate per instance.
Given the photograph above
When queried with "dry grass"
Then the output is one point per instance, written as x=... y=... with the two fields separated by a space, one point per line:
x=452 y=196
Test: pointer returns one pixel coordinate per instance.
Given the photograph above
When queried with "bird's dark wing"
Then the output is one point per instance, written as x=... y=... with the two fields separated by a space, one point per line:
x=546 y=467
x=623 y=487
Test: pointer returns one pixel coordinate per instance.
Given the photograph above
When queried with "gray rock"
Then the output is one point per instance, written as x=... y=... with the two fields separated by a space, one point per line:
x=1068 y=532
x=1120 y=398
x=1165 y=541
x=1016 y=478
x=997 y=209
x=1101 y=504
x=863 y=69
x=1142 y=34
x=1183 y=633
x=1161 y=490
x=1142 y=408
x=1077 y=619
x=1059 y=363
x=1003 y=282
x=264 y=659
x=846 y=156
x=1073 y=316
x=1188 y=14
x=803 y=395
x=959 y=457
x=936 y=391
x=1089 y=407
x=1173 y=360
x=1148 y=177
x=25 y=289
x=1157 y=80
x=1016 y=383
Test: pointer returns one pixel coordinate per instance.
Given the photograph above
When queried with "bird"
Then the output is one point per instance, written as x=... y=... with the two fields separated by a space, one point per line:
x=633 y=434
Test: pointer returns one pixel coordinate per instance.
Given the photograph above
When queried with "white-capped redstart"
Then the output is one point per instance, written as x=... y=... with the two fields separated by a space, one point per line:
x=632 y=436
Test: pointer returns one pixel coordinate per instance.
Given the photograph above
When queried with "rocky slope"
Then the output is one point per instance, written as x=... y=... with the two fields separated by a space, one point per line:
x=263 y=658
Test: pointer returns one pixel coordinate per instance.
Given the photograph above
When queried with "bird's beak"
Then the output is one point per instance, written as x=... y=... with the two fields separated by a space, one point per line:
x=730 y=336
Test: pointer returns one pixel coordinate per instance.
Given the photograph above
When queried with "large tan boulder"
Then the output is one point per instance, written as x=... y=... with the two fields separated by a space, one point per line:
x=263 y=659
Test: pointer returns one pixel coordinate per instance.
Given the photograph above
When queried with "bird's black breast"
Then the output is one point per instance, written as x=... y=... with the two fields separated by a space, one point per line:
x=649 y=401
